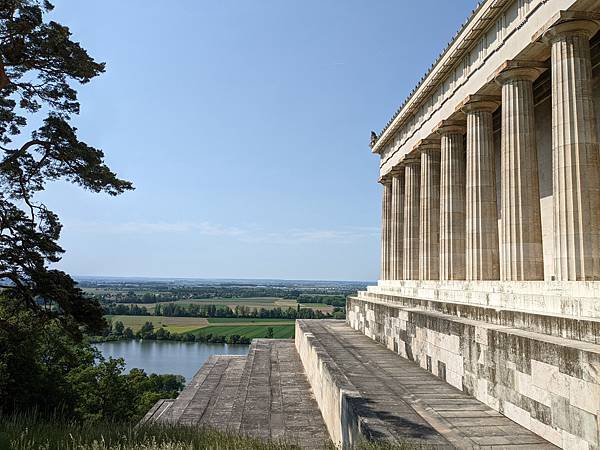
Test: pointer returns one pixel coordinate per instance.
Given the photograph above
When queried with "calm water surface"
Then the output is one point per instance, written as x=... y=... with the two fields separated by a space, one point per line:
x=182 y=358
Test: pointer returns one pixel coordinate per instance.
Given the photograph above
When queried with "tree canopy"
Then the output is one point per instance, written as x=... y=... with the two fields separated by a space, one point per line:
x=40 y=67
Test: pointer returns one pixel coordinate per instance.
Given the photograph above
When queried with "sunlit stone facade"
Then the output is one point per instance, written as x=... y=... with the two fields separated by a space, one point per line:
x=491 y=219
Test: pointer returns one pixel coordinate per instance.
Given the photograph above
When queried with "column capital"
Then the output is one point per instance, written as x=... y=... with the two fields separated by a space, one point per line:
x=397 y=170
x=475 y=103
x=570 y=23
x=519 y=70
x=451 y=126
x=385 y=179
x=411 y=160
x=427 y=144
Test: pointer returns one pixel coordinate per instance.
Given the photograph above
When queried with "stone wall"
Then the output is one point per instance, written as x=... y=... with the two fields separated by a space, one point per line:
x=548 y=384
x=332 y=390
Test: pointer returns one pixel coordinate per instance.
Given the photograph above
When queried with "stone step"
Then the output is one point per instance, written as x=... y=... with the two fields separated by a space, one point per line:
x=157 y=411
x=366 y=390
x=208 y=399
x=274 y=399
x=264 y=394
x=579 y=328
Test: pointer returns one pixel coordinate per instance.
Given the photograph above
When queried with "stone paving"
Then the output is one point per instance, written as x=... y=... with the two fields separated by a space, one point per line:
x=264 y=394
x=402 y=403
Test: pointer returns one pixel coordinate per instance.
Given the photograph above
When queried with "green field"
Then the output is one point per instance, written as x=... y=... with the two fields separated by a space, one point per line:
x=248 y=331
x=248 y=320
x=221 y=326
x=172 y=324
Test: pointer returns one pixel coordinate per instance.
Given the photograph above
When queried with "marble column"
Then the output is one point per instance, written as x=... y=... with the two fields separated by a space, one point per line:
x=386 y=209
x=521 y=257
x=575 y=165
x=429 y=232
x=452 y=200
x=412 y=186
x=397 y=224
x=482 y=260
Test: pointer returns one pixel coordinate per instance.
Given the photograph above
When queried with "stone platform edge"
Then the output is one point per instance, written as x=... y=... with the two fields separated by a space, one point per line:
x=549 y=385
x=335 y=394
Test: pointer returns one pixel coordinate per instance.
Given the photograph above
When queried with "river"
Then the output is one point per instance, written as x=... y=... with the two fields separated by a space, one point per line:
x=182 y=358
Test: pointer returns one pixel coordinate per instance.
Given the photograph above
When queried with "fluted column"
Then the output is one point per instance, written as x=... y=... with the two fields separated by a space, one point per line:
x=452 y=200
x=482 y=248
x=386 y=209
x=521 y=230
x=397 y=224
x=429 y=233
x=575 y=165
x=412 y=187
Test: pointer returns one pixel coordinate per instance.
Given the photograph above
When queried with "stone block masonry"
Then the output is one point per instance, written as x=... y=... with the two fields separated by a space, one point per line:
x=547 y=384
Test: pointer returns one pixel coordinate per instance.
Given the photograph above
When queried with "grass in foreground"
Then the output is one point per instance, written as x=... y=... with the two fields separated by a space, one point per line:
x=32 y=433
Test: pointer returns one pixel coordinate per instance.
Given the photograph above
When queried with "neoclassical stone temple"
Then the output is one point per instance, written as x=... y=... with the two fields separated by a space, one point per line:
x=490 y=255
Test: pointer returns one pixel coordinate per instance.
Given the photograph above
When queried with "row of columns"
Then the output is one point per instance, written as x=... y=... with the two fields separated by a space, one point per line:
x=440 y=218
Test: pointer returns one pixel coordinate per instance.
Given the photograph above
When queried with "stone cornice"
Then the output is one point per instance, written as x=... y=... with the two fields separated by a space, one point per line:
x=477 y=24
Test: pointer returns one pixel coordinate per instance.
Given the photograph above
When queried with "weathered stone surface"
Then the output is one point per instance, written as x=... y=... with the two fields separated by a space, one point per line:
x=412 y=197
x=386 y=228
x=521 y=228
x=263 y=395
x=364 y=389
x=452 y=201
x=429 y=213
x=576 y=183
x=482 y=260
x=548 y=384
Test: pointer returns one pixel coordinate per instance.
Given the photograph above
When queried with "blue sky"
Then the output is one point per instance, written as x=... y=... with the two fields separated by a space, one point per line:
x=244 y=126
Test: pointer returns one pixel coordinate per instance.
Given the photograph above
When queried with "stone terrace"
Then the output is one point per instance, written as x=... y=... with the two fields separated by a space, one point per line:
x=337 y=382
x=386 y=397
x=264 y=394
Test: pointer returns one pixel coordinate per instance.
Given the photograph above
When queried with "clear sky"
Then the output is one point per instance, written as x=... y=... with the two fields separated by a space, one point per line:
x=244 y=126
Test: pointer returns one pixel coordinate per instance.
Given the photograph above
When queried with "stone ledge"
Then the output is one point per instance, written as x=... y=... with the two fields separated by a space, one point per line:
x=558 y=325
x=577 y=299
x=380 y=396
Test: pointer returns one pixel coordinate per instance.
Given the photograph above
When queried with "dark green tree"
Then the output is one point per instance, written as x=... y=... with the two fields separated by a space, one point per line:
x=118 y=328
x=40 y=66
x=128 y=333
